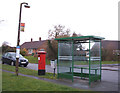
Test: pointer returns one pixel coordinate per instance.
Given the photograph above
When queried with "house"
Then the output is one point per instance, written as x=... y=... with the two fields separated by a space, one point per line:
x=33 y=46
x=111 y=45
x=111 y=50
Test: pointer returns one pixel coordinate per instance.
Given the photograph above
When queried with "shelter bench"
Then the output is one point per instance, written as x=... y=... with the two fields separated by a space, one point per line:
x=84 y=74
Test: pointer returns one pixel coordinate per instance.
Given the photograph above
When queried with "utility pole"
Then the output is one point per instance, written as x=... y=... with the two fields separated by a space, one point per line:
x=18 y=39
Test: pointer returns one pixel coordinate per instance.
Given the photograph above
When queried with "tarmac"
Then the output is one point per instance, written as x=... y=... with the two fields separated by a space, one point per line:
x=110 y=67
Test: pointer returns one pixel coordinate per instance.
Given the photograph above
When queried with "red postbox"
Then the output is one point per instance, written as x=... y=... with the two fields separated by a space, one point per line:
x=41 y=62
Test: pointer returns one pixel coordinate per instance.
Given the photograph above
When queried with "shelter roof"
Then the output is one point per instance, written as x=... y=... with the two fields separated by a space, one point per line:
x=80 y=38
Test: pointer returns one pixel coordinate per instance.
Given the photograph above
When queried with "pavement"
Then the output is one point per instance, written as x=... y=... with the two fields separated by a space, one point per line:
x=115 y=68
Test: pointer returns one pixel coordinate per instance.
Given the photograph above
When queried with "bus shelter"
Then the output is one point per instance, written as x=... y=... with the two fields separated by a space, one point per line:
x=79 y=56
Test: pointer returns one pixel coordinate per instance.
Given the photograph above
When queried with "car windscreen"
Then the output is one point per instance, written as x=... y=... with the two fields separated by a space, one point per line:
x=14 y=55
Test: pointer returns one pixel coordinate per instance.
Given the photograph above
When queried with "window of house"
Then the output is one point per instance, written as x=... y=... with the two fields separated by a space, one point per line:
x=30 y=51
x=116 y=52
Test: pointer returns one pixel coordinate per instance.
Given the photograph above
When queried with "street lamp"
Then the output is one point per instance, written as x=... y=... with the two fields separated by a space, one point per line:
x=18 y=39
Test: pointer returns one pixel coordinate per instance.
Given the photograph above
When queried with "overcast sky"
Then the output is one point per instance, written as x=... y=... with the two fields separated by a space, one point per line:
x=87 y=17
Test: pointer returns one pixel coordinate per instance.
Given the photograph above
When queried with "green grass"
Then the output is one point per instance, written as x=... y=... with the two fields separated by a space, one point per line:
x=33 y=59
x=87 y=63
x=11 y=82
x=0 y=55
x=81 y=63
x=110 y=62
x=29 y=72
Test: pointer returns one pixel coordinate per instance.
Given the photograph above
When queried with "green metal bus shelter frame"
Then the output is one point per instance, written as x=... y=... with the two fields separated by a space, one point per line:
x=67 y=58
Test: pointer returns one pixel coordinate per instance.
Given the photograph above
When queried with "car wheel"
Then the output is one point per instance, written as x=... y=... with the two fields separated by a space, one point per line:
x=25 y=65
x=2 y=62
x=19 y=65
x=12 y=63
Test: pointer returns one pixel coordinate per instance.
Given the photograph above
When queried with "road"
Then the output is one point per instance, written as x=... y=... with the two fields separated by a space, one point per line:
x=35 y=67
x=107 y=75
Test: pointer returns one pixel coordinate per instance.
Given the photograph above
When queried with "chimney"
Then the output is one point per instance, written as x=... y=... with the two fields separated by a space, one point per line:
x=39 y=38
x=31 y=39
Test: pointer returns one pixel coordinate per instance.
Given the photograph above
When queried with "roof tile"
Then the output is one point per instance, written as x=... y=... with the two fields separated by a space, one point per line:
x=32 y=45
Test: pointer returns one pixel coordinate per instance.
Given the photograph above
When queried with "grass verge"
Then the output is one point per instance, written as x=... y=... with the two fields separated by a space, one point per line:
x=28 y=71
x=87 y=63
x=33 y=59
x=11 y=82
x=110 y=62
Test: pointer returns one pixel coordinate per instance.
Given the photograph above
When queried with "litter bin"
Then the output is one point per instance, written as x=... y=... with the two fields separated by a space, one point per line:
x=53 y=65
x=41 y=62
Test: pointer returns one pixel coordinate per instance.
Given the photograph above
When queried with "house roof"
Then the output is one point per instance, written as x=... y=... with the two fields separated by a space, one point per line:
x=80 y=38
x=33 y=44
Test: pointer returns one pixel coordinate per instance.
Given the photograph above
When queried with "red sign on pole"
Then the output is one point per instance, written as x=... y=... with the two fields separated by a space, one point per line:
x=22 y=25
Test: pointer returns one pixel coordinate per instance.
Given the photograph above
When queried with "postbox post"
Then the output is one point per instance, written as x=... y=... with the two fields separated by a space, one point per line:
x=41 y=62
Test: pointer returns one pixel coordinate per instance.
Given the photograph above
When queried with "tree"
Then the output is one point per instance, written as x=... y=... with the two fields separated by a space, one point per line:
x=7 y=48
x=59 y=31
x=23 y=52
x=75 y=34
x=77 y=47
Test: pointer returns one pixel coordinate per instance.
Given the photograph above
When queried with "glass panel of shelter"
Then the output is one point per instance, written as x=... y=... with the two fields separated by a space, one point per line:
x=95 y=60
x=80 y=54
x=65 y=59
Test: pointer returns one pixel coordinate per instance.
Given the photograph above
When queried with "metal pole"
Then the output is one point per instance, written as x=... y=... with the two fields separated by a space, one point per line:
x=100 y=58
x=54 y=72
x=58 y=61
x=89 y=63
x=18 y=39
x=72 y=60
